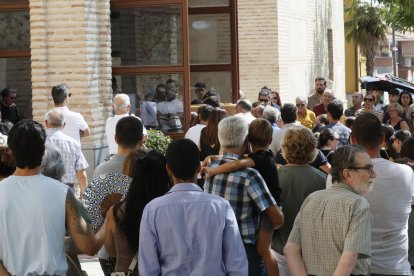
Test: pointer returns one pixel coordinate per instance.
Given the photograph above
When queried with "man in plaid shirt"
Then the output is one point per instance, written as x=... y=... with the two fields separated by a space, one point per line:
x=245 y=189
x=75 y=162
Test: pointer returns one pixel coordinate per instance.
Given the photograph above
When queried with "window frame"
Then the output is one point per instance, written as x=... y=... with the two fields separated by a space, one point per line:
x=9 y=7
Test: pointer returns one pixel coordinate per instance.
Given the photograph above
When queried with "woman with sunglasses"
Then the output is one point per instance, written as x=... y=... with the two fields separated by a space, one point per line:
x=368 y=107
x=396 y=112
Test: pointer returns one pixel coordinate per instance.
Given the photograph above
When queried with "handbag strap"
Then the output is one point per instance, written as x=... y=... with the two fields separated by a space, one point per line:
x=132 y=265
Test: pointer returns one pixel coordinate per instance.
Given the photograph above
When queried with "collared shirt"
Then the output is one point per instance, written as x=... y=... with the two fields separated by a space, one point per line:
x=71 y=153
x=330 y=222
x=74 y=123
x=308 y=120
x=189 y=232
x=247 y=193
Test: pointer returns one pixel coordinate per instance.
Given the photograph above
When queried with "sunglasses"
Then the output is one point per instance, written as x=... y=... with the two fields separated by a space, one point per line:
x=368 y=99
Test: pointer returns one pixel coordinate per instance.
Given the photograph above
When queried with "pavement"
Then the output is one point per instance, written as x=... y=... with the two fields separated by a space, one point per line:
x=91 y=265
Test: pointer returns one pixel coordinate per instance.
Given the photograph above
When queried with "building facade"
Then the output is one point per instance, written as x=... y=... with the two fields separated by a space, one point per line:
x=97 y=46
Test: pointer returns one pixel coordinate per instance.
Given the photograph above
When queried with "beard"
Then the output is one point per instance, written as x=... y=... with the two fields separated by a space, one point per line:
x=319 y=90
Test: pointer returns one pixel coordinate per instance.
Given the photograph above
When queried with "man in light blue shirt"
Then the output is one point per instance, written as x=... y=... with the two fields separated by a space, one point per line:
x=187 y=231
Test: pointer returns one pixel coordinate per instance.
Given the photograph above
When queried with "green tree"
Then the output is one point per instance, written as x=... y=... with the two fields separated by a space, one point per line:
x=367 y=29
x=400 y=14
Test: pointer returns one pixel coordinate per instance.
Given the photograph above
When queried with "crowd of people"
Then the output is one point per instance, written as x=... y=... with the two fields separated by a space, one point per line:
x=304 y=188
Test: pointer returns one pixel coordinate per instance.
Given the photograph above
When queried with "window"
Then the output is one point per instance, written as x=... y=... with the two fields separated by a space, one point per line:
x=15 y=66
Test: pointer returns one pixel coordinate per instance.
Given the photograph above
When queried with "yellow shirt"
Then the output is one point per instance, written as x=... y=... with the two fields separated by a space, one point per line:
x=307 y=120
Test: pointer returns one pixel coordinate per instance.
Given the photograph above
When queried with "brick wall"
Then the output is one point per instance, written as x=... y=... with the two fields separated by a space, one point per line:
x=284 y=44
x=71 y=43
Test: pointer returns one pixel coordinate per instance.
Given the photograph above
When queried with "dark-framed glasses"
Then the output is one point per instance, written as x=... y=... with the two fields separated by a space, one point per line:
x=368 y=168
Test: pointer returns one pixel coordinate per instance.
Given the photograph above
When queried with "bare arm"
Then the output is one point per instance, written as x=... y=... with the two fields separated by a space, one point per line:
x=404 y=125
x=228 y=167
x=293 y=256
x=85 y=132
x=346 y=263
x=109 y=233
x=81 y=233
x=275 y=215
x=326 y=168
x=210 y=158
x=83 y=181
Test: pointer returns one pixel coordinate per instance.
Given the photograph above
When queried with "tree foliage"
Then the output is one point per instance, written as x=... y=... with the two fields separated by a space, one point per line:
x=400 y=14
x=366 y=28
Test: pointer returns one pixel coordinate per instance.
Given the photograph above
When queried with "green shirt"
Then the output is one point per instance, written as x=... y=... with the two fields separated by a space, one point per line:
x=330 y=222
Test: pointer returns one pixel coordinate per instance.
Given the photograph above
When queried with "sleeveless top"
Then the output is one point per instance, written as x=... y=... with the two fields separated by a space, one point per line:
x=32 y=225
x=397 y=125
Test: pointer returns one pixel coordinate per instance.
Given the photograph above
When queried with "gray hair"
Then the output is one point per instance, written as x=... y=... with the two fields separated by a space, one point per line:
x=271 y=114
x=245 y=104
x=344 y=158
x=232 y=131
x=55 y=118
x=52 y=163
x=302 y=98
x=121 y=102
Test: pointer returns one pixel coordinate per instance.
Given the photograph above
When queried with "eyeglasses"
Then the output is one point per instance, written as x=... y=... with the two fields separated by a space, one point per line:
x=368 y=168
x=368 y=100
x=300 y=105
x=336 y=139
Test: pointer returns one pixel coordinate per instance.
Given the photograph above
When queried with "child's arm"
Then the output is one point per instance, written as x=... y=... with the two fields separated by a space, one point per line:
x=228 y=167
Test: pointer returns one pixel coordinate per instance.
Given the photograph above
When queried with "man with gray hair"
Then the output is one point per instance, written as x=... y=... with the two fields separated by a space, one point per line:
x=76 y=126
x=244 y=109
x=122 y=107
x=332 y=232
x=245 y=189
x=75 y=162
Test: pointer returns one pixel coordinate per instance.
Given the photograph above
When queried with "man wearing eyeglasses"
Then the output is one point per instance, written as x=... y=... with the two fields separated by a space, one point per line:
x=332 y=232
x=390 y=200
x=8 y=107
x=306 y=117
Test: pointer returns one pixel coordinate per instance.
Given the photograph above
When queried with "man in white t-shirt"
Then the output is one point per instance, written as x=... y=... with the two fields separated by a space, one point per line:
x=390 y=201
x=193 y=133
x=76 y=126
x=122 y=107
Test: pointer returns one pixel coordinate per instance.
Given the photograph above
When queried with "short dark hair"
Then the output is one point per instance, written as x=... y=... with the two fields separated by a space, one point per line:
x=7 y=91
x=59 y=93
x=336 y=109
x=7 y=163
x=325 y=135
x=183 y=158
x=320 y=79
x=260 y=132
x=128 y=131
x=27 y=143
x=407 y=148
x=402 y=135
x=344 y=158
x=245 y=104
x=205 y=112
x=288 y=113
x=367 y=130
